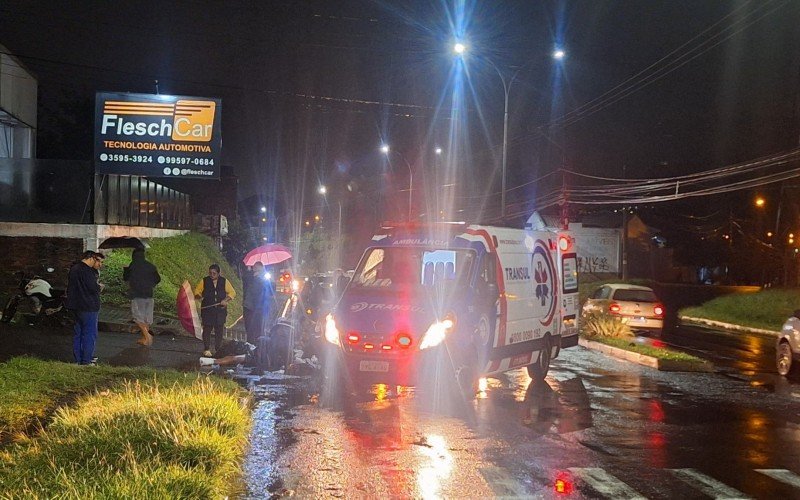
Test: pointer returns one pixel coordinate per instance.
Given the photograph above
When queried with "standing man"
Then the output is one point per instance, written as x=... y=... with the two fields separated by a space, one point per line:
x=142 y=276
x=216 y=292
x=254 y=300
x=83 y=299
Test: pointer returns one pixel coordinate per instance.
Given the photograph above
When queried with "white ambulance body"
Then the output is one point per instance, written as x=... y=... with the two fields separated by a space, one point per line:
x=495 y=298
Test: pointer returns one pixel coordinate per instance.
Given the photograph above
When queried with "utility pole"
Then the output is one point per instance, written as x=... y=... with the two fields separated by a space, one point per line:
x=624 y=266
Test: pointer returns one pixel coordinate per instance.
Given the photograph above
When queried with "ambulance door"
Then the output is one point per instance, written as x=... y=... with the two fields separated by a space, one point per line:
x=570 y=304
x=486 y=304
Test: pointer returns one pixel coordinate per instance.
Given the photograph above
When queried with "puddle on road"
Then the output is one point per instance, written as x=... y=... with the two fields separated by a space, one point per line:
x=275 y=399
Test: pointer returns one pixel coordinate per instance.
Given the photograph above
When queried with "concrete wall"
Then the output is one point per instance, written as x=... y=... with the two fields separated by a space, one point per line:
x=91 y=235
x=33 y=248
x=35 y=255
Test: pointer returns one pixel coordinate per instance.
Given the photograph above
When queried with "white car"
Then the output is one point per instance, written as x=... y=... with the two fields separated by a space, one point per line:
x=637 y=306
x=787 y=351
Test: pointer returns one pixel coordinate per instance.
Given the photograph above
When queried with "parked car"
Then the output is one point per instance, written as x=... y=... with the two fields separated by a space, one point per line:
x=637 y=306
x=787 y=352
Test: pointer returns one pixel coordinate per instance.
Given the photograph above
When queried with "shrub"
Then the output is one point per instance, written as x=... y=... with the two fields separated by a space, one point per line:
x=597 y=324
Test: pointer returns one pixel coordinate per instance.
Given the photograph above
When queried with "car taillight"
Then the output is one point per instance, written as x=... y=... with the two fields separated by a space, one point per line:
x=369 y=346
x=614 y=308
x=403 y=340
x=353 y=337
x=658 y=310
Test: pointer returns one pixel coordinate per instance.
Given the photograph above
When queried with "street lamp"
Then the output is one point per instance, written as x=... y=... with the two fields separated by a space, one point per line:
x=460 y=49
x=324 y=191
x=386 y=150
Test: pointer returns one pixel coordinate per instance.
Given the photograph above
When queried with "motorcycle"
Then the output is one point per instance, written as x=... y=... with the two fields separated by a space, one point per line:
x=46 y=304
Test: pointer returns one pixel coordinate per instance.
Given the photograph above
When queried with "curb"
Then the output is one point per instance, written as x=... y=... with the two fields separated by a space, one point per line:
x=728 y=326
x=666 y=365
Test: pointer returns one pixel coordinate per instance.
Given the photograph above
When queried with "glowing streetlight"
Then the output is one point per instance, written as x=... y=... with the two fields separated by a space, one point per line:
x=263 y=210
x=323 y=191
x=460 y=49
x=438 y=150
x=385 y=150
x=760 y=202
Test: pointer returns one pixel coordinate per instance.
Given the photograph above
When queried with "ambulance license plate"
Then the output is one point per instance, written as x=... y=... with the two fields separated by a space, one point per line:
x=373 y=366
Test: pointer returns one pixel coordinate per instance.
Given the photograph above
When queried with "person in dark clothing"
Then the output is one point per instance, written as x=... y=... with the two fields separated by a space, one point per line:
x=83 y=300
x=216 y=292
x=254 y=303
x=142 y=276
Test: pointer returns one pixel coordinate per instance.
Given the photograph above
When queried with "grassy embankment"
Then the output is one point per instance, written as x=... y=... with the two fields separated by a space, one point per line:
x=767 y=309
x=177 y=258
x=141 y=434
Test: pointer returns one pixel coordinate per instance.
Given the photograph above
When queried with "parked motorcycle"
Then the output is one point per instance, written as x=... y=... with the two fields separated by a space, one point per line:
x=45 y=304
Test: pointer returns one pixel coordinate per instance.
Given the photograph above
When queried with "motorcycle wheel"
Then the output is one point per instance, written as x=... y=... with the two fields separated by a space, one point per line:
x=10 y=309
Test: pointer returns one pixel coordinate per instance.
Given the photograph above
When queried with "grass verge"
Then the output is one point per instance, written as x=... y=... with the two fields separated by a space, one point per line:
x=655 y=352
x=145 y=434
x=767 y=309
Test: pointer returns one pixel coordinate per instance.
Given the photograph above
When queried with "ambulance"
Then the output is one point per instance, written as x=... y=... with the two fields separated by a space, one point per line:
x=486 y=299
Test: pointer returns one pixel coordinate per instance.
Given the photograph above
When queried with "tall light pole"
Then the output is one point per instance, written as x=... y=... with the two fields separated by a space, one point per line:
x=386 y=150
x=460 y=49
x=324 y=191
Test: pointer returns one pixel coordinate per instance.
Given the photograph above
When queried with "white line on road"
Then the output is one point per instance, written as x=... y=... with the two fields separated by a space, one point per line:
x=782 y=475
x=606 y=484
x=501 y=482
x=708 y=485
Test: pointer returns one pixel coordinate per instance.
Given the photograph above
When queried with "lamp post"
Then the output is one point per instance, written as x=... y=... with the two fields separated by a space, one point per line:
x=386 y=150
x=324 y=191
x=460 y=49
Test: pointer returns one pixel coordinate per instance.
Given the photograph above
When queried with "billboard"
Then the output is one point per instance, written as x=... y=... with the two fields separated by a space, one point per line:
x=157 y=135
x=597 y=249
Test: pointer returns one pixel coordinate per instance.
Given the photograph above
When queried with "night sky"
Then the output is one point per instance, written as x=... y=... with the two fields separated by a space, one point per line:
x=310 y=89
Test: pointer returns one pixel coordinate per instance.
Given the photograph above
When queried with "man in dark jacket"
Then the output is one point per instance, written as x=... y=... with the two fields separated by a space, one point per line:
x=253 y=305
x=142 y=276
x=83 y=299
x=216 y=292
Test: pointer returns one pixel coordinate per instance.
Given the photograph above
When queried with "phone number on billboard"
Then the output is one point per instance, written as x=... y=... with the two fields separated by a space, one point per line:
x=126 y=158
x=182 y=160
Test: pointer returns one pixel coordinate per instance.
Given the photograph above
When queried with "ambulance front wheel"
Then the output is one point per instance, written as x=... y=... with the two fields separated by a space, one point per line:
x=538 y=370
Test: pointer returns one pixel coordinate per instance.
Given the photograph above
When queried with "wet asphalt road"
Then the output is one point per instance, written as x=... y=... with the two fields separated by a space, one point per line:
x=605 y=428
x=598 y=427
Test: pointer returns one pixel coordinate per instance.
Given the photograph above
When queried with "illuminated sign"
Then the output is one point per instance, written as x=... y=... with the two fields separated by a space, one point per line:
x=157 y=135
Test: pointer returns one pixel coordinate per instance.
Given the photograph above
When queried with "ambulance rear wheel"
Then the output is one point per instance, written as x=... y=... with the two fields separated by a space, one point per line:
x=538 y=370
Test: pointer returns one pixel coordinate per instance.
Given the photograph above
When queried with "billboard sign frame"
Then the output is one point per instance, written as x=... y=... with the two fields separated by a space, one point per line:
x=157 y=135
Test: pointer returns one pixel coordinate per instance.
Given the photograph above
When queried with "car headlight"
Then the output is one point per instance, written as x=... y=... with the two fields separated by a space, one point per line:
x=437 y=332
x=331 y=332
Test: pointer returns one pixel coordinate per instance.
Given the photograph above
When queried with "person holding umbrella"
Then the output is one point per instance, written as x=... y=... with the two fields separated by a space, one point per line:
x=255 y=303
x=215 y=292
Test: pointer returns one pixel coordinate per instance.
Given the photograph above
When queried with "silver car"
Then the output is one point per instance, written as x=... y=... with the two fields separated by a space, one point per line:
x=787 y=352
x=637 y=306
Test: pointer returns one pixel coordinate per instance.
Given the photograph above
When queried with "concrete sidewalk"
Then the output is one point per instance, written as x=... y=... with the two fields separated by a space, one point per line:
x=172 y=347
x=117 y=319
x=112 y=348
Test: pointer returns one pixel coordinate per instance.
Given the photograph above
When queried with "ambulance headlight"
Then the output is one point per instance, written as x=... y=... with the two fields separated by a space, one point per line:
x=437 y=332
x=331 y=332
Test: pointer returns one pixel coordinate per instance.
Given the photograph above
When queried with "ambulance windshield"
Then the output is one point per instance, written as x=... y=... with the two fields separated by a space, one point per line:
x=396 y=267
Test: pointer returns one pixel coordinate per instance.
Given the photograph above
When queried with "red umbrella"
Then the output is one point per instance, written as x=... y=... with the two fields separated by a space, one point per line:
x=268 y=254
